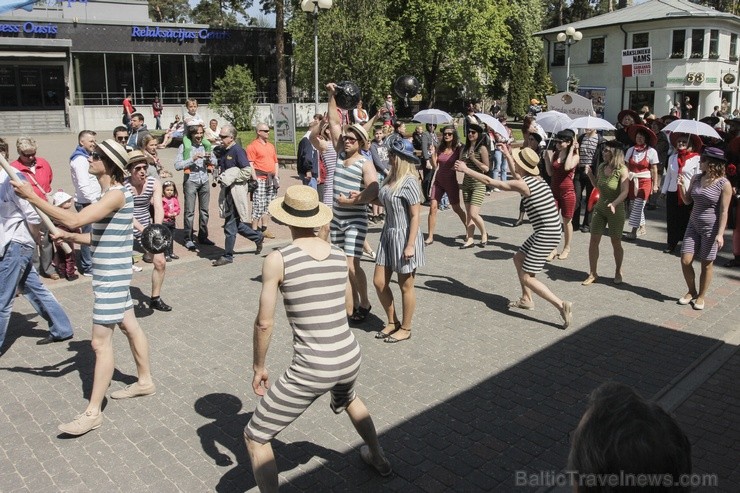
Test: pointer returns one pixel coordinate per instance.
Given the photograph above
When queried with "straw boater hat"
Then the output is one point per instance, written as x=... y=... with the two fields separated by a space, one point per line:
x=115 y=152
x=528 y=160
x=650 y=136
x=300 y=208
x=695 y=142
x=135 y=157
x=358 y=130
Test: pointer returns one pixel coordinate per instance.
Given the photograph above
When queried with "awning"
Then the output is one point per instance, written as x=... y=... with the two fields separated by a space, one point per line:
x=33 y=54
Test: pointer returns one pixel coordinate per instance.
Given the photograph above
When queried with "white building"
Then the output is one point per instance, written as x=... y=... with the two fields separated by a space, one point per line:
x=694 y=54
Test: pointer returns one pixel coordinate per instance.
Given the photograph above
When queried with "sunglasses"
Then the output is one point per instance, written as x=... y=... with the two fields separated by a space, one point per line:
x=96 y=156
x=122 y=138
x=349 y=139
x=29 y=156
x=472 y=131
x=141 y=168
x=448 y=134
x=223 y=136
x=264 y=131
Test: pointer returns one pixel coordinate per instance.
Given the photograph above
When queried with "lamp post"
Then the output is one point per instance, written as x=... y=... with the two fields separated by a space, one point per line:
x=569 y=37
x=312 y=7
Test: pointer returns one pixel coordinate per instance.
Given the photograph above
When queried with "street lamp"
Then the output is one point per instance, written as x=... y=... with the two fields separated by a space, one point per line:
x=569 y=37
x=312 y=7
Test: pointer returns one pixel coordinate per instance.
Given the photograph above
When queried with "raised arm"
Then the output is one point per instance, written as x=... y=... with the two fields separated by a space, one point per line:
x=335 y=124
x=572 y=159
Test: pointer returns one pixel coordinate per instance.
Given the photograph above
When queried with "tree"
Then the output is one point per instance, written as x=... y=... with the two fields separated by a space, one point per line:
x=455 y=42
x=281 y=10
x=169 y=10
x=221 y=13
x=525 y=18
x=233 y=96
x=357 y=41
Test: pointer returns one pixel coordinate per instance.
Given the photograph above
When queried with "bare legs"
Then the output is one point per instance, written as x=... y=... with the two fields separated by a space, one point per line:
x=593 y=258
x=474 y=220
x=263 y=458
x=530 y=285
x=160 y=262
x=432 y=221
x=567 y=235
x=381 y=280
x=705 y=277
x=102 y=344
x=357 y=286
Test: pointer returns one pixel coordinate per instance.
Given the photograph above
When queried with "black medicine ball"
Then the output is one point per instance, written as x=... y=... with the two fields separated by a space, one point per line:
x=156 y=238
x=406 y=86
x=348 y=95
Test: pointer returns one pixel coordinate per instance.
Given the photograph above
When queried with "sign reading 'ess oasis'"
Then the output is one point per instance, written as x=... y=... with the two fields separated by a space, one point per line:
x=29 y=28
x=179 y=35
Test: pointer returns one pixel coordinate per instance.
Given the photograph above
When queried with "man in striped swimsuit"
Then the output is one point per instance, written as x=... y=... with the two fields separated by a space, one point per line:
x=311 y=275
x=355 y=185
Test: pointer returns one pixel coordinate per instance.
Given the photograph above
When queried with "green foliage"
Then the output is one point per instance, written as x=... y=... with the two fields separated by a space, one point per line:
x=525 y=18
x=455 y=43
x=221 y=13
x=543 y=83
x=233 y=96
x=357 y=42
x=169 y=10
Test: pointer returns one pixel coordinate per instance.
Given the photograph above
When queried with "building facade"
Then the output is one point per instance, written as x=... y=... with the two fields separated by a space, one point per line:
x=693 y=53
x=72 y=61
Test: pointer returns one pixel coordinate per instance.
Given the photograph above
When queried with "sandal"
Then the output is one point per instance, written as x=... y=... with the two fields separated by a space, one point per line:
x=590 y=280
x=392 y=340
x=563 y=255
x=428 y=241
x=567 y=314
x=521 y=304
x=383 y=335
x=384 y=469
x=483 y=242
x=360 y=314
x=467 y=244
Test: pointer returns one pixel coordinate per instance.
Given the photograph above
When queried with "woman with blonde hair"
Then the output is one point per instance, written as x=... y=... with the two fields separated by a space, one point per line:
x=401 y=248
x=612 y=182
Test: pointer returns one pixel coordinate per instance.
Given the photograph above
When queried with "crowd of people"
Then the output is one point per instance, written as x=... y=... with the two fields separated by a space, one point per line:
x=348 y=179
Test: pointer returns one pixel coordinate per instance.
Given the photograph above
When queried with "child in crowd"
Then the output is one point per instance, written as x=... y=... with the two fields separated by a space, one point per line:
x=192 y=115
x=171 y=206
x=65 y=263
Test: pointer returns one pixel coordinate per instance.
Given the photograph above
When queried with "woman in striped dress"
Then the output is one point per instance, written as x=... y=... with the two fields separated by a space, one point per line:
x=311 y=274
x=539 y=204
x=475 y=155
x=401 y=248
x=111 y=241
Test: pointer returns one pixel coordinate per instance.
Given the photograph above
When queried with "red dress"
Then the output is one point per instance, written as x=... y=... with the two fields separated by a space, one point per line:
x=645 y=185
x=563 y=188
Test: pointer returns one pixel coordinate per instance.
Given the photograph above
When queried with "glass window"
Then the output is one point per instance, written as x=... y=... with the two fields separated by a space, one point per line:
x=733 y=47
x=597 y=50
x=89 y=72
x=120 y=76
x=8 y=87
x=30 y=87
x=697 y=43
x=558 y=54
x=199 y=77
x=146 y=75
x=714 y=43
x=173 y=79
x=678 y=44
x=638 y=99
x=219 y=64
x=52 y=82
x=641 y=40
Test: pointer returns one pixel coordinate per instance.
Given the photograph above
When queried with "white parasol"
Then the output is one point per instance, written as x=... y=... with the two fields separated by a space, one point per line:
x=591 y=122
x=432 y=116
x=553 y=121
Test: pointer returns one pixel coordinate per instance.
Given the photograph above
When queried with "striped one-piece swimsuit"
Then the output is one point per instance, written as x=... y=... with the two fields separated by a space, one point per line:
x=330 y=161
x=326 y=356
x=111 y=246
x=349 y=224
x=703 y=227
x=142 y=202
x=395 y=232
x=543 y=214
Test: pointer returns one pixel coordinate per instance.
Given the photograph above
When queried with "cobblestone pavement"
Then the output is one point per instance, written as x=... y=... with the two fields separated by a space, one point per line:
x=479 y=393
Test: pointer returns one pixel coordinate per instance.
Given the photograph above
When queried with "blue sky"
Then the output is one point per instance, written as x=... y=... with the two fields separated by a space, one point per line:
x=254 y=10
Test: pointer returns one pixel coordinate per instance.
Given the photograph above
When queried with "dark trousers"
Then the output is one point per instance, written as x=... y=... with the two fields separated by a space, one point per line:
x=677 y=218
x=171 y=226
x=85 y=256
x=426 y=182
x=65 y=262
x=43 y=257
x=581 y=183
x=203 y=194
x=233 y=226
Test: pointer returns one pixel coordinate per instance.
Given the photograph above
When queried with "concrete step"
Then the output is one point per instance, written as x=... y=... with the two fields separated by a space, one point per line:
x=32 y=122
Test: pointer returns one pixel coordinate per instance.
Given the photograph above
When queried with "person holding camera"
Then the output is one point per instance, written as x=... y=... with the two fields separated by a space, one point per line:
x=231 y=155
x=195 y=161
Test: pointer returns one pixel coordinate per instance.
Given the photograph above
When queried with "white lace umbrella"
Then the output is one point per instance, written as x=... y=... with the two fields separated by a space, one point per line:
x=692 y=127
x=553 y=121
x=591 y=122
x=433 y=116
x=493 y=124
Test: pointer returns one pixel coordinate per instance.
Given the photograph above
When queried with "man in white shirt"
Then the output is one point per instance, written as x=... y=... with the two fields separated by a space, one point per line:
x=87 y=189
x=19 y=231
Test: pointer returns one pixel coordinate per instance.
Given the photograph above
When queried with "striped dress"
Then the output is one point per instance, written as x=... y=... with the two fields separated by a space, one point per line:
x=543 y=214
x=349 y=224
x=703 y=227
x=142 y=202
x=395 y=232
x=473 y=191
x=111 y=246
x=326 y=356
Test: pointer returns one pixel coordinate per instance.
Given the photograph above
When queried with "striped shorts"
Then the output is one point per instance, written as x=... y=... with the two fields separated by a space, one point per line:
x=291 y=395
x=349 y=233
x=262 y=198
x=701 y=244
x=537 y=247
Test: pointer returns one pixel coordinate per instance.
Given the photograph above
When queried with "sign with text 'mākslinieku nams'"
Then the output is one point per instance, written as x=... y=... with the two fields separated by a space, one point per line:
x=637 y=62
